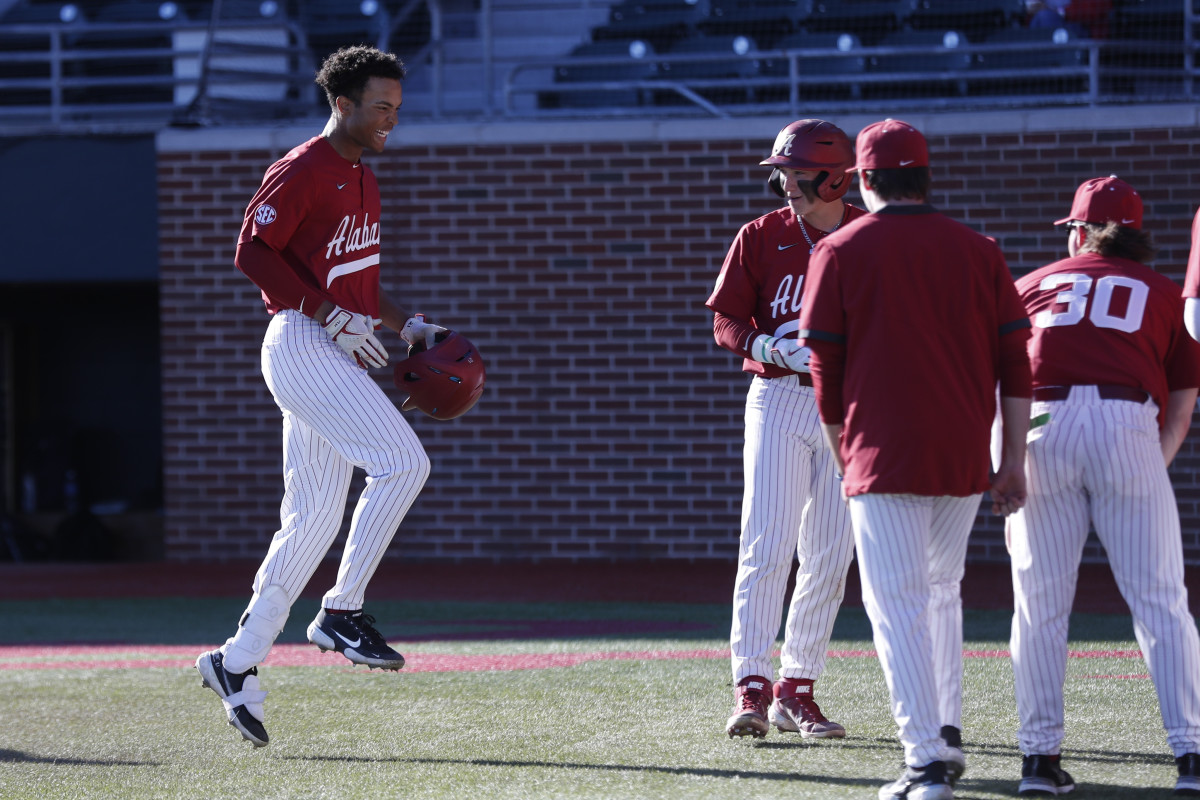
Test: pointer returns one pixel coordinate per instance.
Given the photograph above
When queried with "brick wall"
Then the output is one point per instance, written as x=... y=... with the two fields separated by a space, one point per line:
x=578 y=259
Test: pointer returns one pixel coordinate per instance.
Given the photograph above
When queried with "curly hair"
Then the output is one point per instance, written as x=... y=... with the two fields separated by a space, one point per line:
x=345 y=72
x=1116 y=240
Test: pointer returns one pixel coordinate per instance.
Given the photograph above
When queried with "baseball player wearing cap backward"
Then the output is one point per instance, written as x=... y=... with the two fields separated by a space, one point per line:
x=310 y=242
x=792 y=506
x=1115 y=377
x=906 y=297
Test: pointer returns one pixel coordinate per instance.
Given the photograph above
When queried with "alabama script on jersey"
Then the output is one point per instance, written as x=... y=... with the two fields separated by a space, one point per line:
x=762 y=278
x=912 y=318
x=1101 y=320
x=321 y=214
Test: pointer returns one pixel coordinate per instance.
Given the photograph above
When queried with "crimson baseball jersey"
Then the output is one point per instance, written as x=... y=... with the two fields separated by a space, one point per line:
x=1101 y=320
x=761 y=282
x=1191 y=283
x=320 y=213
x=912 y=319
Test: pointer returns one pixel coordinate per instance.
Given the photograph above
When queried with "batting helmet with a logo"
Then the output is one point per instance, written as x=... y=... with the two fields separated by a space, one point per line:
x=445 y=381
x=813 y=144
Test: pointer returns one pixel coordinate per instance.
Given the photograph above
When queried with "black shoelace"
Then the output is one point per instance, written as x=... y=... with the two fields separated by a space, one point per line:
x=366 y=626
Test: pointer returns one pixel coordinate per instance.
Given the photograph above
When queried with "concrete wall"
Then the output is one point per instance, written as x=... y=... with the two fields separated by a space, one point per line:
x=578 y=256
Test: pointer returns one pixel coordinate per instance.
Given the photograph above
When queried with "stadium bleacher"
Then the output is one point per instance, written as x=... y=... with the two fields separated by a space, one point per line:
x=731 y=56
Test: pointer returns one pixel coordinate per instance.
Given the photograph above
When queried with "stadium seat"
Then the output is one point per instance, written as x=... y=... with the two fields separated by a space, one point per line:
x=626 y=61
x=933 y=69
x=660 y=23
x=735 y=47
x=106 y=55
x=978 y=19
x=23 y=45
x=834 y=71
x=869 y=20
x=764 y=21
x=333 y=24
x=1036 y=64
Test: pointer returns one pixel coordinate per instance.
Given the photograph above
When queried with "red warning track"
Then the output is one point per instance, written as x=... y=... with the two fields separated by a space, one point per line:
x=125 y=656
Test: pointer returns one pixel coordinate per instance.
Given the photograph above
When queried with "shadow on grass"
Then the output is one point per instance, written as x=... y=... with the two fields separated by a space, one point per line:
x=18 y=757
x=697 y=772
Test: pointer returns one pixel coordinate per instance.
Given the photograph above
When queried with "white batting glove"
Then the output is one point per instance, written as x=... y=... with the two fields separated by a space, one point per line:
x=784 y=353
x=417 y=329
x=355 y=333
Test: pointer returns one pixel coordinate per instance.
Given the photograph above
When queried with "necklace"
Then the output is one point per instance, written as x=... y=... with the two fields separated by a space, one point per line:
x=804 y=230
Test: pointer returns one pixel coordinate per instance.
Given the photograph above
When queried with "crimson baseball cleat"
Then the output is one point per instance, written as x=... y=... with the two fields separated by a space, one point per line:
x=795 y=711
x=1043 y=775
x=929 y=782
x=353 y=635
x=750 y=700
x=239 y=693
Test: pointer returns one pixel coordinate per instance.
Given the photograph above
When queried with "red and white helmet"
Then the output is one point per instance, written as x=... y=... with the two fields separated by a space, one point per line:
x=445 y=381
x=813 y=144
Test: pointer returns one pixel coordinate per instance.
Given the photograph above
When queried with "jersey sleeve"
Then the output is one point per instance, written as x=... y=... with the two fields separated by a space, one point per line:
x=736 y=294
x=280 y=285
x=279 y=207
x=1191 y=283
x=734 y=335
x=1182 y=360
x=1014 y=371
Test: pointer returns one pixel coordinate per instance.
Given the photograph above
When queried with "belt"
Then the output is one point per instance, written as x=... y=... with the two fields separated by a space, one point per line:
x=1105 y=392
x=803 y=378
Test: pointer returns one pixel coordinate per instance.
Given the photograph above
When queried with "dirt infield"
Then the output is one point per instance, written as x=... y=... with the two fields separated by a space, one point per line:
x=985 y=586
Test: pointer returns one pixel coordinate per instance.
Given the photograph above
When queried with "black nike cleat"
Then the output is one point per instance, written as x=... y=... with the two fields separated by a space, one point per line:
x=354 y=636
x=239 y=693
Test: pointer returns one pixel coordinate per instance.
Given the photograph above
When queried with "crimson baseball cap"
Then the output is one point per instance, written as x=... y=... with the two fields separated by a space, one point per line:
x=890 y=144
x=1104 y=200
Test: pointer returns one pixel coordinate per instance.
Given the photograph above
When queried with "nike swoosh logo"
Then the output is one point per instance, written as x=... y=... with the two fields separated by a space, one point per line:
x=786 y=246
x=906 y=163
x=1126 y=222
x=342 y=185
x=349 y=643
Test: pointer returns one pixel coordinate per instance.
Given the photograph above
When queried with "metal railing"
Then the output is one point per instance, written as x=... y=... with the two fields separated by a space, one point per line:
x=114 y=74
x=75 y=77
x=1097 y=79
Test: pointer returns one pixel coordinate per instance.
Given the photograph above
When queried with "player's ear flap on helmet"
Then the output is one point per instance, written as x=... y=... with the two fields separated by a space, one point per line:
x=776 y=182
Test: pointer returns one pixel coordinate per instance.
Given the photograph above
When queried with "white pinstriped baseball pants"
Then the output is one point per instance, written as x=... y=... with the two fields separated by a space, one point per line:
x=335 y=418
x=911 y=551
x=1099 y=460
x=792 y=505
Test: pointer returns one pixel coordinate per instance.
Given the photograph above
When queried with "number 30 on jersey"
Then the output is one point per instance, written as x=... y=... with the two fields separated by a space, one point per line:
x=1098 y=307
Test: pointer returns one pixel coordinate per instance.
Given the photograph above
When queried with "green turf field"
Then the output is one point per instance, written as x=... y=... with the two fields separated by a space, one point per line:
x=606 y=728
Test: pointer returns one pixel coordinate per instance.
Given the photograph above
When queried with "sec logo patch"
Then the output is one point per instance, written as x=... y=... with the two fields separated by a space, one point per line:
x=265 y=215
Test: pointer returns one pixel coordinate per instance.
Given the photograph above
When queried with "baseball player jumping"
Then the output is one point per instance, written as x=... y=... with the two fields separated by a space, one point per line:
x=310 y=242
x=1115 y=377
x=792 y=504
x=906 y=297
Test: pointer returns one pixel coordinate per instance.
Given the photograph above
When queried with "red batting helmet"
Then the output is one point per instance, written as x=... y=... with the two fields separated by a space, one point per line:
x=813 y=144
x=444 y=381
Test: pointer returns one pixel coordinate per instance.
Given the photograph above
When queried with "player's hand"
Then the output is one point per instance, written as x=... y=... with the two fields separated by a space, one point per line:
x=789 y=355
x=1008 y=489
x=784 y=353
x=418 y=330
x=355 y=333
